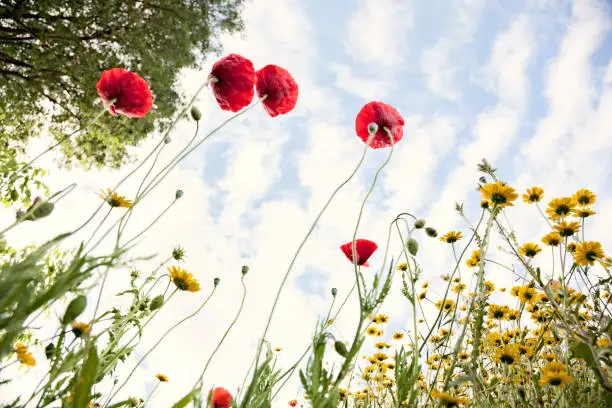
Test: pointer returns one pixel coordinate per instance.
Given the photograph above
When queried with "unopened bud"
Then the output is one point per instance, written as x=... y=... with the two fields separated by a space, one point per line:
x=195 y=113
x=216 y=281
x=74 y=309
x=413 y=246
x=418 y=224
x=245 y=269
x=431 y=232
x=157 y=302
x=178 y=194
x=334 y=292
x=340 y=348
x=167 y=139
x=372 y=128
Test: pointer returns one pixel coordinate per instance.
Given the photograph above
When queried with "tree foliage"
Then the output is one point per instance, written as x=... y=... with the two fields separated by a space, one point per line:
x=53 y=52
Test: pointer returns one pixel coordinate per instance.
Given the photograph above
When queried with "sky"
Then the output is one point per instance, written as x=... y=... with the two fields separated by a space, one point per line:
x=525 y=84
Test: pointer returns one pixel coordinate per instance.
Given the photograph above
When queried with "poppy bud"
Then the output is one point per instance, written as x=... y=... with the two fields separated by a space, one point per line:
x=134 y=401
x=195 y=113
x=245 y=269
x=49 y=350
x=431 y=232
x=167 y=139
x=216 y=281
x=340 y=348
x=418 y=224
x=413 y=246
x=157 y=302
x=43 y=210
x=334 y=292
x=74 y=309
x=178 y=194
x=372 y=128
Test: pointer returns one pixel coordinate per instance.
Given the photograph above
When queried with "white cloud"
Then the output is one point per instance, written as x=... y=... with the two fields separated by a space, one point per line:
x=376 y=32
x=364 y=87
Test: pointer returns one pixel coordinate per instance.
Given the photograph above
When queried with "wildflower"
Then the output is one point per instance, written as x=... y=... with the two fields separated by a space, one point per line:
x=380 y=319
x=447 y=400
x=474 y=260
x=293 y=403
x=124 y=92
x=584 y=197
x=422 y=295
x=554 y=374
x=583 y=212
x=278 y=87
x=23 y=355
x=489 y=287
x=380 y=357
x=507 y=355
x=451 y=237
x=498 y=312
x=527 y=294
x=567 y=229
x=448 y=305
x=183 y=279
x=398 y=336
x=463 y=356
x=277 y=349
x=232 y=80
x=114 y=199
x=372 y=331
x=402 y=267
x=460 y=287
x=588 y=252
x=529 y=249
x=221 y=398
x=603 y=342
x=534 y=195
x=382 y=345
x=560 y=207
x=552 y=238
x=386 y=118
x=425 y=285
x=365 y=248
x=161 y=377
x=80 y=328
x=499 y=194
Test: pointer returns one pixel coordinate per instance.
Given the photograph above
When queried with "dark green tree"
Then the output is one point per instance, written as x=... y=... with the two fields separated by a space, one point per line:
x=52 y=53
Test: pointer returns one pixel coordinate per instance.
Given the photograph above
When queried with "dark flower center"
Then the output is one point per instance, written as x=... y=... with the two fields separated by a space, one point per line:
x=562 y=209
x=534 y=197
x=555 y=381
x=498 y=198
x=506 y=359
x=181 y=284
x=530 y=252
x=590 y=255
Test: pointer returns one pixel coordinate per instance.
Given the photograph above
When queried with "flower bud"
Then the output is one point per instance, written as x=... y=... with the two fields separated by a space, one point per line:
x=245 y=269
x=334 y=292
x=178 y=194
x=413 y=246
x=418 y=224
x=195 y=113
x=43 y=210
x=216 y=281
x=157 y=302
x=74 y=309
x=372 y=128
x=167 y=139
x=178 y=253
x=340 y=348
x=431 y=232
x=49 y=350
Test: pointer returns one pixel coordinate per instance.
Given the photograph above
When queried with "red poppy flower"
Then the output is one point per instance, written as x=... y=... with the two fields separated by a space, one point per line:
x=124 y=92
x=293 y=403
x=365 y=248
x=385 y=116
x=280 y=88
x=221 y=398
x=232 y=80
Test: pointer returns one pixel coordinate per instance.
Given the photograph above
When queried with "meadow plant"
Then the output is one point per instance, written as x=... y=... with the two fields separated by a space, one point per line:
x=550 y=345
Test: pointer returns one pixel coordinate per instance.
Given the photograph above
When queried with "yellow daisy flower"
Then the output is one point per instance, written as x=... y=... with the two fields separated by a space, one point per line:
x=552 y=239
x=398 y=336
x=114 y=199
x=508 y=354
x=80 y=328
x=534 y=195
x=499 y=194
x=560 y=207
x=584 y=197
x=451 y=237
x=555 y=374
x=529 y=249
x=183 y=279
x=567 y=229
x=582 y=212
x=161 y=377
x=588 y=252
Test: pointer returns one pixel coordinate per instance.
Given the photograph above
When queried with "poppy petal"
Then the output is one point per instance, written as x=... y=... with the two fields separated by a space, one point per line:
x=385 y=116
x=280 y=89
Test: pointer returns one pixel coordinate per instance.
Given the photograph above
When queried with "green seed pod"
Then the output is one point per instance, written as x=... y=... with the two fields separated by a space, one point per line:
x=245 y=269
x=334 y=292
x=157 y=302
x=340 y=348
x=74 y=309
x=418 y=224
x=413 y=246
x=178 y=194
x=195 y=113
x=431 y=232
x=216 y=281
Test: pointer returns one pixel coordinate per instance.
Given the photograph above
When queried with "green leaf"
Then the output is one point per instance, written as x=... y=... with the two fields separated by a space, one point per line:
x=185 y=400
x=86 y=378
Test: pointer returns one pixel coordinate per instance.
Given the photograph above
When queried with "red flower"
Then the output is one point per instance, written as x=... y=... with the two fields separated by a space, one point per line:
x=125 y=92
x=365 y=248
x=293 y=403
x=232 y=79
x=385 y=116
x=280 y=88
x=221 y=398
